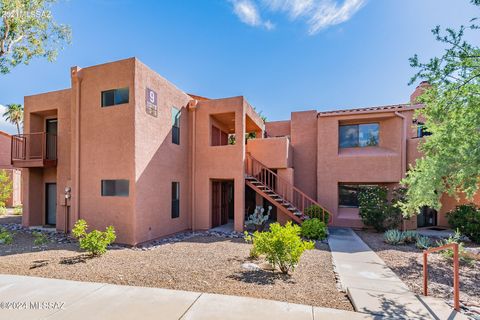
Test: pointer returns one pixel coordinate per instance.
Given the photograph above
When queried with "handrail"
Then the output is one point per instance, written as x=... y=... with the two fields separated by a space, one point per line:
x=34 y=146
x=456 y=276
x=271 y=178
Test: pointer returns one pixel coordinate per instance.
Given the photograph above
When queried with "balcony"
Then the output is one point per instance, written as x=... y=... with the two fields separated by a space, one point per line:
x=34 y=150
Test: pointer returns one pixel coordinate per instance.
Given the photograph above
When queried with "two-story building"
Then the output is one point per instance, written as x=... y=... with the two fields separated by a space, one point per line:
x=123 y=146
x=15 y=175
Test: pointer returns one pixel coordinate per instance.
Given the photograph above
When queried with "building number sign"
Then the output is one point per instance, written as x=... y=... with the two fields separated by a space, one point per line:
x=151 y=103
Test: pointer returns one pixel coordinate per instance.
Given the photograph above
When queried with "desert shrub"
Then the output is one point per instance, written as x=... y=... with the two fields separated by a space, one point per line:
x=409 y=236
x=377 y=211
x=393 y=237
x=258 y=219
x=466 y=218
x=3 y=211
x=249 y=239
x=463 y=254
x=314 y=211
x=5 y=187
x=5 y=236
x=423 y=242
x=18 y=210
x=314 y=229
x=282 y=246
x=39 y=238
x=95 y=242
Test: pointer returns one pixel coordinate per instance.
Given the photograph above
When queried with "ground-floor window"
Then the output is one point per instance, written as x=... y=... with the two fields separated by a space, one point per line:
x=115 y=188
x=175 y=199
x=348 y=194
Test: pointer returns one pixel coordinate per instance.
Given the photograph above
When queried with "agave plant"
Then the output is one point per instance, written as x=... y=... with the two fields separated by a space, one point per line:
x=409 y=236
x=423 y=242
x=393 y=237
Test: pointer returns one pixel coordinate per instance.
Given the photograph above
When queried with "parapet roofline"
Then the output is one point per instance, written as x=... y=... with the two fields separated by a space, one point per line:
x=378 y=109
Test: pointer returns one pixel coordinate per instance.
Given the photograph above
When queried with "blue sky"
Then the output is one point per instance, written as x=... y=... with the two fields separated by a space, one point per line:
x=282 y=55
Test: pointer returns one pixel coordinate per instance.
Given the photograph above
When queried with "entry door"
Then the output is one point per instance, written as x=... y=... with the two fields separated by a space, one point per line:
x=427 y=217
x=216 y=203
x=51 y=129
x=51 y=204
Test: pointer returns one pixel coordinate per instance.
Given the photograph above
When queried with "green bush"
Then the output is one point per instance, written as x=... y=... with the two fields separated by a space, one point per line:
x=3 y=211
x=282 y=246
x=314 y=211
x=40 y=238
x=375 y=209
x=18 y=210
x=466 y=218
x=314 y=229
x=95 y=242
x=5 y=236
x=463 y=254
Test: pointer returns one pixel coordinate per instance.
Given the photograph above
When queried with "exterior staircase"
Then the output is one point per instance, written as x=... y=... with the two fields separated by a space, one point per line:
x=281 y=193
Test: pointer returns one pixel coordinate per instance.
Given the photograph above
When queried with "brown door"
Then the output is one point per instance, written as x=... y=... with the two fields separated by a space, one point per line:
x=216 y=203
x=225 y=202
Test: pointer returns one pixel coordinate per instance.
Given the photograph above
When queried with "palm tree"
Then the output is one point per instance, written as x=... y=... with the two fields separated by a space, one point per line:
x=14 y=114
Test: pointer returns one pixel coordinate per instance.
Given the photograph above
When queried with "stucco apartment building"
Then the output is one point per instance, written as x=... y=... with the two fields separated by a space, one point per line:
x=14 y=174
x=123 y=146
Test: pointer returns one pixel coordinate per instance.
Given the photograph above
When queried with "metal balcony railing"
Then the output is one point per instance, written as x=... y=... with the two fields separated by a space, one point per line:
x=37 y=149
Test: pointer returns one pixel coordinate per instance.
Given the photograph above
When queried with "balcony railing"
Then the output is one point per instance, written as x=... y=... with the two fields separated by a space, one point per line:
x=34 y=150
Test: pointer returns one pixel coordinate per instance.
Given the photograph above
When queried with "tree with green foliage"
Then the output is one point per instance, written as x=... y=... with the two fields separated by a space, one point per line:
x=14 y=114
x=5 y=187
x=27 y=30
x=451 y=154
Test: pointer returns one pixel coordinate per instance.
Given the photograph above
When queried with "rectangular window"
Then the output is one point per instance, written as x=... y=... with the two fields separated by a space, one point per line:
x=114 y=97
x=358 y=135
x=175 y=125
x=422 y=130
x=115 y=188
x=348 y=195
x=175 y=200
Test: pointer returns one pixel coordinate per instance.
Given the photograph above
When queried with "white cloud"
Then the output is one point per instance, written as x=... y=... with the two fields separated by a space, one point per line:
x=247 y=11
x=4 y=125
x=317 y=14
x=329 y=14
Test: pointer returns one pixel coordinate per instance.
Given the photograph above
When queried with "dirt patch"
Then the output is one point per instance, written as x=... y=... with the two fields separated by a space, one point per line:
x=205 y=264
x=407 y=262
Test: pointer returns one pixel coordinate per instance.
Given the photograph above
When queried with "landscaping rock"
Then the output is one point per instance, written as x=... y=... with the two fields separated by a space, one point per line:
x=250 y=266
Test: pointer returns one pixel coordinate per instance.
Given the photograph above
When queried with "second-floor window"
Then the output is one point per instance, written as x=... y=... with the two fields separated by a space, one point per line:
x=114 y=97
x=175 y=125
x=358 y=135
x=422 y=130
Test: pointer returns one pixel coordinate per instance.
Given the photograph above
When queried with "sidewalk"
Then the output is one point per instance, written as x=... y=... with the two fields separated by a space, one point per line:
x=85 y=300
x=374 y=288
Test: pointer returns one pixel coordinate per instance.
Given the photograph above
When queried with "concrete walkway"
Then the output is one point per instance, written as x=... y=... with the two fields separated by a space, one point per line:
x=373 y=287
x=83 y=300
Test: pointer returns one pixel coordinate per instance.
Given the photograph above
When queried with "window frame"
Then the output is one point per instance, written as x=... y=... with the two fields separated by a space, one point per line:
x=115 y=95
x=357 y=144
x=115 y=193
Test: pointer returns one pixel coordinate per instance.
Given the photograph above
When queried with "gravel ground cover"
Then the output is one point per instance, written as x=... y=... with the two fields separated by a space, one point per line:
x=407 y=262
x=206 y=263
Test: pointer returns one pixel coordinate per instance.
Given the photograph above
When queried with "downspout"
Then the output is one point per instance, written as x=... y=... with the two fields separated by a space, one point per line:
x=77 y=81
x=403 y=151
x=404 y=143
x=193 y=108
